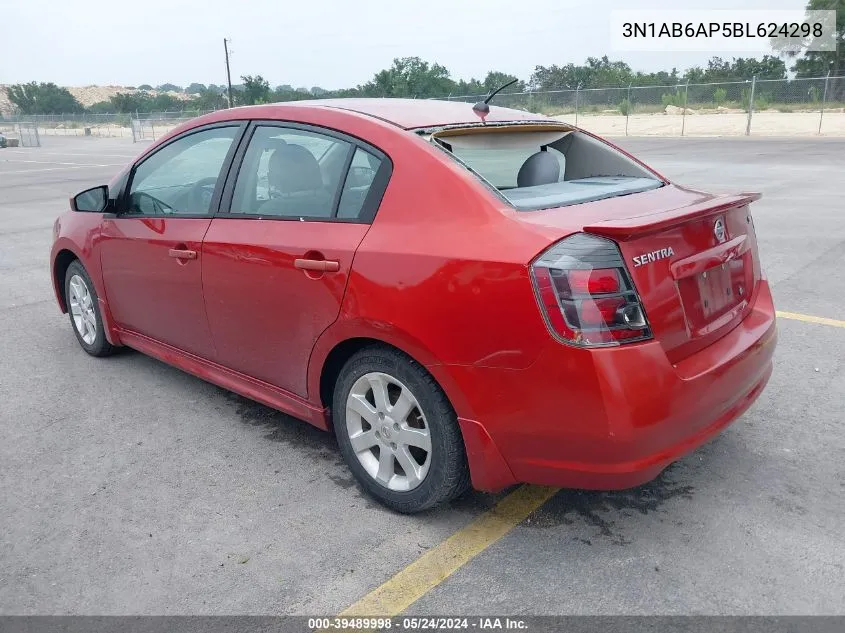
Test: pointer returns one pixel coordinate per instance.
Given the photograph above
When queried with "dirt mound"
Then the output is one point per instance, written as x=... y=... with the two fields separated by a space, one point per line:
x=5 y=105
x=89 y=95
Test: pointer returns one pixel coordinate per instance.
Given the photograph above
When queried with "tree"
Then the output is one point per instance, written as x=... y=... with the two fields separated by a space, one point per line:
x=169 y=88
x=145 y=87
x=496 y=79
x=288 y=93
x=131 y=102
x=819 y=63
x=42 y=98
x=210 y=98
x=410 y=77
x=194 y=88
x=256 y=89
x=471 y=87
x=770 y=67
x=101 y=107
x=595 y=73
x=738 y=69
x=165 y=103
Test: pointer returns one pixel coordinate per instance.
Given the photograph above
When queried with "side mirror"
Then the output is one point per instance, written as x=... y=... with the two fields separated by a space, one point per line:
x=91 y=200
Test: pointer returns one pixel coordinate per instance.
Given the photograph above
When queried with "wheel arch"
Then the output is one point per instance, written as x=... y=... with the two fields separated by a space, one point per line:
x=338 y=344
x=488 y=469
x=63 y=255
x=61 y=262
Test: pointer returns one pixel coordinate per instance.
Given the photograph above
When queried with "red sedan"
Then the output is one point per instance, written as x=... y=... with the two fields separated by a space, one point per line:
x=489 y=300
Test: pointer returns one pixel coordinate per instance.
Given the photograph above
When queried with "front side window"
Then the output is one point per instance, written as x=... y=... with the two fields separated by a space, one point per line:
x=180 y=178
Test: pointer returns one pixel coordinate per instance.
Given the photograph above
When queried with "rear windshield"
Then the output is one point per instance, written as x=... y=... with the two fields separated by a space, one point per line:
x=547 y=168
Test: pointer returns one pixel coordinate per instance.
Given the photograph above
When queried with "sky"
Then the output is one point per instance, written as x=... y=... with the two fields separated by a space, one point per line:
x=326 y=43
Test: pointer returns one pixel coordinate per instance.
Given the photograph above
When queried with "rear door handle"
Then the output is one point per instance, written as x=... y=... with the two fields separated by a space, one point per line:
x=180 y=253
x=323 y=265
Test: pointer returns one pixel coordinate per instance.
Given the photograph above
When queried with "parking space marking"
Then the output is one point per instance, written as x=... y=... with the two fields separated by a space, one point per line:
x=809 y=318
x=437 y=564
x=97 y=154
x=35 y=171
x=58 y=162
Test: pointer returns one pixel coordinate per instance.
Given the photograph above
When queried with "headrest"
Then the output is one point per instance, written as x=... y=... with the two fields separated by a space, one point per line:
x=293 y=168
x=541 y=168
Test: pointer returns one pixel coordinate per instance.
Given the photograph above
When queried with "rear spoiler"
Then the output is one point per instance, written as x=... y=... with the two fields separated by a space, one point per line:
x=639 y=226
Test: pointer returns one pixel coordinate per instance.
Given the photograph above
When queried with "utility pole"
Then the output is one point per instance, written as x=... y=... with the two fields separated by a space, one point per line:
x=750 y=105
x=824 y=98
x=228 y=72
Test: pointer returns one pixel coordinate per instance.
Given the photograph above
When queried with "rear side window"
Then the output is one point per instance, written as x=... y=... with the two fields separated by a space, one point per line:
x=296 y=173
x=291 y=173
x=359 y=180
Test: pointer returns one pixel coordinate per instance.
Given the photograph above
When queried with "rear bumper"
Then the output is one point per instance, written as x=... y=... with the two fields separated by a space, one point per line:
x=611 y=418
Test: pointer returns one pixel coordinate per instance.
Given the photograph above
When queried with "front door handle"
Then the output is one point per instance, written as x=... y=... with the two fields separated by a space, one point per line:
x=323 y=265
x=180 y=253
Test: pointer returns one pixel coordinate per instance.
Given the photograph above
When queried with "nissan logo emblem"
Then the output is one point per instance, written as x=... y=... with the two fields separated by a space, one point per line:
x=719 y=230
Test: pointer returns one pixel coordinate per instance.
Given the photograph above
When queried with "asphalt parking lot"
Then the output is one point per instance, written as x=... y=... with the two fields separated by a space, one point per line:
x=129 y=487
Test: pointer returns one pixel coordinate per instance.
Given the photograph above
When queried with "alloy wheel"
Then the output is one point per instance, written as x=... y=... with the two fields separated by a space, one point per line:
x=388 y=431
x=82 y=309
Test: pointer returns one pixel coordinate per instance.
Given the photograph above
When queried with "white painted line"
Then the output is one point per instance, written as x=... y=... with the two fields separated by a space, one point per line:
x=97 y=154
x=57 y=162
x=33 y=171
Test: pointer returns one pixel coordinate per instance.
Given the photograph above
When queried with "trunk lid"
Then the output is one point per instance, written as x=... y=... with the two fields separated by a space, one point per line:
x=692 y=257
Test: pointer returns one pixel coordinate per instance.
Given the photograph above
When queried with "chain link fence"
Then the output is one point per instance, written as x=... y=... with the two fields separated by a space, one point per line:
x=757 y=107
x=151 y=128
x=20 y=134
x=104 y=125
x=764 y=107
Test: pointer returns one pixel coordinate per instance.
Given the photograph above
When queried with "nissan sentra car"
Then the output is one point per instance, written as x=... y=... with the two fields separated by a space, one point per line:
x=464 y=296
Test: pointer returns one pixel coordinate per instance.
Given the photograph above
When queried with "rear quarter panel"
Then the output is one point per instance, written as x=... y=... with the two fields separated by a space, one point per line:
x=442 y=274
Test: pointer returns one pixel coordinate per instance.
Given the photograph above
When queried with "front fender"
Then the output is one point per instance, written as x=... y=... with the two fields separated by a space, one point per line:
x=76 y=236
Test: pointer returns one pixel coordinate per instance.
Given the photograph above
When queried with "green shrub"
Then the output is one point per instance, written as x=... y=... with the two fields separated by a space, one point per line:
x=761 y=99
x=625 y=107
x=675 y=99
x=720 y=95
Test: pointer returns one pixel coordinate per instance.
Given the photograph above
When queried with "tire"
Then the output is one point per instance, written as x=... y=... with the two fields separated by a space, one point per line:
x=83 y=308
x=392 y=428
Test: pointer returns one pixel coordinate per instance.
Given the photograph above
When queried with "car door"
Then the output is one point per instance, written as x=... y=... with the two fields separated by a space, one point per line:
x=150 y=250
x=276 y=259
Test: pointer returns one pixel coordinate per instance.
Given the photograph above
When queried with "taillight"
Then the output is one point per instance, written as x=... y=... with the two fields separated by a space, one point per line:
x=586 y=295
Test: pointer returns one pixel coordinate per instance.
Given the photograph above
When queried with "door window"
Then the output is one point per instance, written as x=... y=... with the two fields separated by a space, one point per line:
x=181 y=177
x=290 y=173
x=359 y=181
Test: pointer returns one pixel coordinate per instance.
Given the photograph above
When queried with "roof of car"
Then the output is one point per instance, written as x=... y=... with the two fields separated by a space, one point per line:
x=421 y=113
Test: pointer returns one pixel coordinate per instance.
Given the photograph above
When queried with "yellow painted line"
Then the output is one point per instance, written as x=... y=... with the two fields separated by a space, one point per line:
x=443 y=560
x=810 y=319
